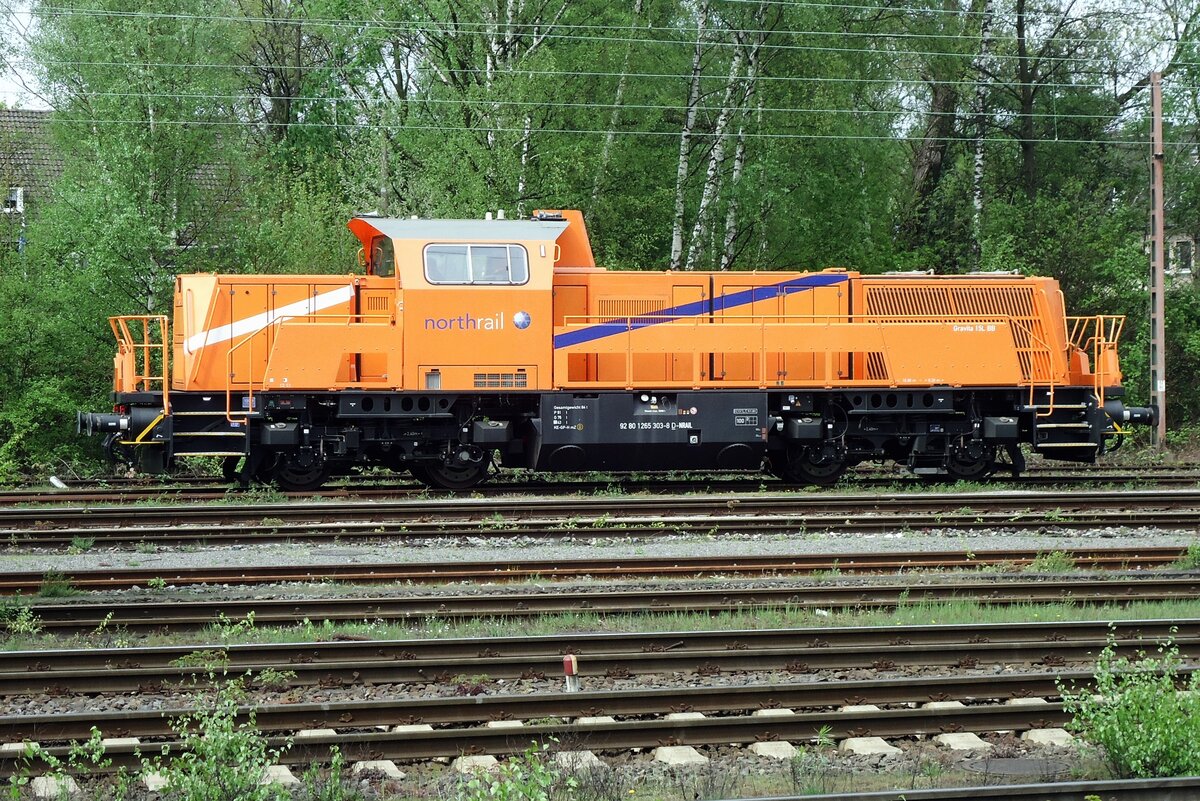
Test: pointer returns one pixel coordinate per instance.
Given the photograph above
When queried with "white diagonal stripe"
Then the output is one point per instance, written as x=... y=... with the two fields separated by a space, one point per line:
x=248 y=325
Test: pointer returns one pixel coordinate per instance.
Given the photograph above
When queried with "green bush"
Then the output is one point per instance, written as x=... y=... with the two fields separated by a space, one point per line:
x=222 y=759
x=1143 y=726
x=526 y=777
x=331 y=785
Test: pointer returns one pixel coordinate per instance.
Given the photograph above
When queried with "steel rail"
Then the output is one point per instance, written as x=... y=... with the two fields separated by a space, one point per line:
x=400 y=667
x=1182 y=789
x=214 y=491
x=478 y=709
x=584 y=509
x=532 y=602
x=442 y=671
x=1185 y=519
x=686 y=566
x=623 y=735
x=268 y=530
x=240 y=657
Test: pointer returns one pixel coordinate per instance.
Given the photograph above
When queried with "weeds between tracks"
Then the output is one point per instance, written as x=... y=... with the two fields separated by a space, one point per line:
x=20 y=628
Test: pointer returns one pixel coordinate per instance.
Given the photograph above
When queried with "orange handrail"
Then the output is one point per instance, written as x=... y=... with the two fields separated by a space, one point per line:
x=1098 y=334
x=134 y=364
x=1041 y=367
x=348 y=319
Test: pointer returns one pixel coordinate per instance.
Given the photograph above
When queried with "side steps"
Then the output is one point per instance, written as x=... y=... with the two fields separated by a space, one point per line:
x=208 y=433
x=1072 y=432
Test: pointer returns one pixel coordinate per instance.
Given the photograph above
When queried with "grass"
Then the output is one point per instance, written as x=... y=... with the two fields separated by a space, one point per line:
x=81 y=545
x=55 y=585
x=947 y=613
x=1053 y=562
x=1190 y=559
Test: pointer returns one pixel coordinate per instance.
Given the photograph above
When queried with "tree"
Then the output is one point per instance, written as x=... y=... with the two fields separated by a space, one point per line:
x=152 y=151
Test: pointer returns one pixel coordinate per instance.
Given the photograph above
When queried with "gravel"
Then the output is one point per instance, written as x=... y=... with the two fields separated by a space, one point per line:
x=575 y=546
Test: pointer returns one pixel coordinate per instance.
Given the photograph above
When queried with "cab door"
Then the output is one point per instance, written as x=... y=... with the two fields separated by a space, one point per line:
x=378 y=299
x=683 y=365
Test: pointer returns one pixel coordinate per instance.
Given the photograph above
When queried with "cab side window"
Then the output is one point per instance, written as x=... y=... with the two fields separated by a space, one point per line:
x=383 y=257
x=447 y=264
x=502 y=265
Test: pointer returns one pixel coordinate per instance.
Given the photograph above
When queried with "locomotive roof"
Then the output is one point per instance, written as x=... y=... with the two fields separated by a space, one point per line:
x=468 y=230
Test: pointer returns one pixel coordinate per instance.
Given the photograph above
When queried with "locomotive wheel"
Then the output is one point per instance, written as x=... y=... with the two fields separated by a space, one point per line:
x=973 y=470
x=824 y=474
x=451 y=477
x=966 y=469
x=803 y=469
x=298 y=475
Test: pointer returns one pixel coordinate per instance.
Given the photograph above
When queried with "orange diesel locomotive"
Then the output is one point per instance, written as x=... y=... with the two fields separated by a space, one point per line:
x=470 y=338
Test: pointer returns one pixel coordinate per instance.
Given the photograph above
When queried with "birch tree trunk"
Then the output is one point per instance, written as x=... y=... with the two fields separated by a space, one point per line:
x=1026 y=79
x=716 y=158
x=763 y=205
x=981 y=87
x=615 y=118
x=685 y=140
x=490 y=58
x=522 y=176
x=739 y=154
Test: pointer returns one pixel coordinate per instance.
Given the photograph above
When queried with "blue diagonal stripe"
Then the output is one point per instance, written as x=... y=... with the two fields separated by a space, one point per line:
x=719 y=303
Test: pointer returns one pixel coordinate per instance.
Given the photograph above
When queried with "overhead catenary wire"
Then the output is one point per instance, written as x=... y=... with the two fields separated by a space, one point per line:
x=443 y=27
x=822 y=6
x=510 y=71
x=491 y=104
x=902 y=9
x=532 y=27
x=254 y=98
x=897 y=138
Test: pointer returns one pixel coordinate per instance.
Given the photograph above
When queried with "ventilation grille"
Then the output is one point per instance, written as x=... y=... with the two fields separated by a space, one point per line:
x=378 y=304
x=501 y=380
x=640 y=310
x=876 y=367
x=948 y=301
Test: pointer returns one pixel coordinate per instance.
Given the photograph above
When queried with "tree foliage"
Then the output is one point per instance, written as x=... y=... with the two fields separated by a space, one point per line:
x=715 y=134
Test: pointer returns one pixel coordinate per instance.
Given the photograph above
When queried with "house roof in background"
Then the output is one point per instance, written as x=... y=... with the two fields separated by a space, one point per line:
x=27 y=155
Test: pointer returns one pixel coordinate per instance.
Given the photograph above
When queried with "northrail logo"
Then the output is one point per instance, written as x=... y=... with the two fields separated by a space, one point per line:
x=469 y=322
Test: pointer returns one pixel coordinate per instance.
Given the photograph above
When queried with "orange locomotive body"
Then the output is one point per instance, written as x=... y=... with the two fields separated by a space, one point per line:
x=471 y=338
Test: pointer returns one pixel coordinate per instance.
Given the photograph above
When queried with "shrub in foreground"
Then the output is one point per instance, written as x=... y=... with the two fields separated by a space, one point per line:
x=1142 y=715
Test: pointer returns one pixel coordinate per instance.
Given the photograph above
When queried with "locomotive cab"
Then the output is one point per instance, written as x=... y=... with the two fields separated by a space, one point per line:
x=476 y=299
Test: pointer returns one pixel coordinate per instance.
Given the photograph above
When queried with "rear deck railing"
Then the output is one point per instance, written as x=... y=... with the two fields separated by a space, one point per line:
x=142 y=361
x=1097 y=336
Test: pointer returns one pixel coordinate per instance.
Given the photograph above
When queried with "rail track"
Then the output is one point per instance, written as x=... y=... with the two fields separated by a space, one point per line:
x=529 y=602
x=591 y=517
x=795 y=651
x=192 y=490
x=449 y=711
x=456 y=725
x=843 y=564
x=147 y=615
x=623 y=735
